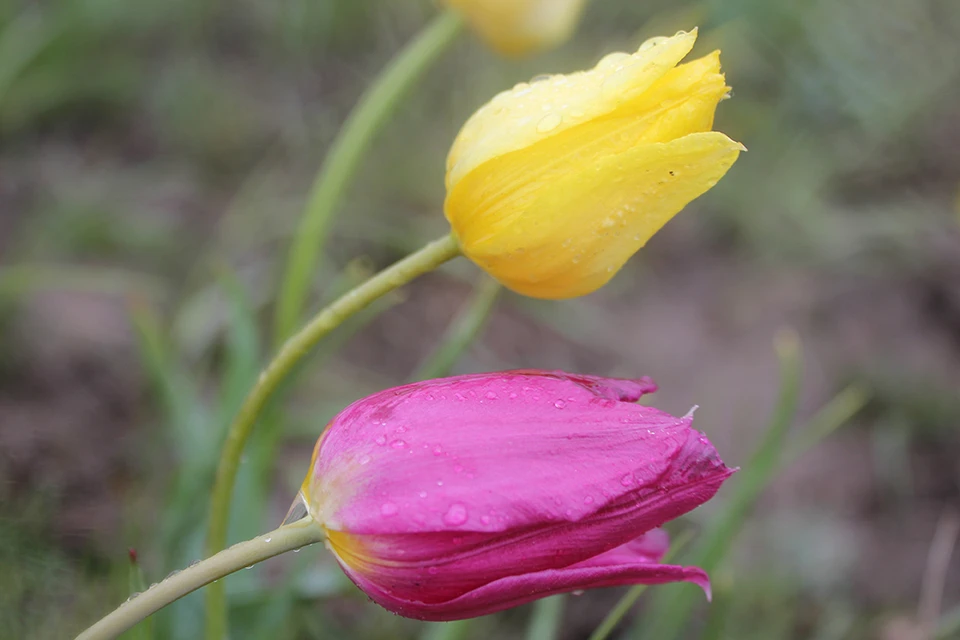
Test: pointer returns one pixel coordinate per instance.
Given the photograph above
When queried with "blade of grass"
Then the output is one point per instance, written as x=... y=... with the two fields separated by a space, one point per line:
x=719 y=608
x=546 y=618
x=462 y=331
x=447 y=630
x=672 y=605
x=138 y=584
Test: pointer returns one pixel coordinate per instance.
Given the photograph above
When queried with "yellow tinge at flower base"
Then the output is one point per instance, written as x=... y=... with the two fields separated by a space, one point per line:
x=553 y=185
x=518 y=27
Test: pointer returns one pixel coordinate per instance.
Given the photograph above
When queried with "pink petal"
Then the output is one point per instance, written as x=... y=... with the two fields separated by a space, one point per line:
x=626 y=565
x=456 y=484
x=500 y=452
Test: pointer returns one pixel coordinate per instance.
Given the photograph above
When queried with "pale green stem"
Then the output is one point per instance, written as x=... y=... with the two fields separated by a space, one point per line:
x=293 y=351
x=462 y=331
x=286 y=538
x=346 y=151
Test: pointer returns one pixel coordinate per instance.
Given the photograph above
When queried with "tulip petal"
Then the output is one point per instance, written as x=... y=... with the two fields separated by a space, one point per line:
x=632 y=194
x=632 y=563
x=529 y=113
x=517 y=27
x=539 y=469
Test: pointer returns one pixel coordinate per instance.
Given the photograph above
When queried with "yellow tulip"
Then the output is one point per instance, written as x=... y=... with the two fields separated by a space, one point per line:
x=518 y=27
x=553 y=185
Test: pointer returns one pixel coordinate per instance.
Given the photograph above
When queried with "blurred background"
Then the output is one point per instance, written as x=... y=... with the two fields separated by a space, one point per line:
x=155 y=159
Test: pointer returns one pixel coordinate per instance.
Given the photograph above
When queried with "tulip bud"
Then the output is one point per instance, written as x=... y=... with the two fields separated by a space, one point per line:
x=553 y=185
x=453 y=498
x=519 y=27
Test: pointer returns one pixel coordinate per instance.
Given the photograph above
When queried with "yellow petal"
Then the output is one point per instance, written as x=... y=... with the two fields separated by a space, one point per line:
x=518 y=27
x=501 y=190
x=576 y=234
x=531 y=113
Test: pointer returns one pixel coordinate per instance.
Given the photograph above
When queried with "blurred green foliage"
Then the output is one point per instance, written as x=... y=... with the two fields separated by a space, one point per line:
x=158 y=154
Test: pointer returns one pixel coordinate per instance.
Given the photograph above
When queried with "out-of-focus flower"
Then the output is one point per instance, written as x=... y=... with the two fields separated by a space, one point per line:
x=457 y=497
x=553 y=185
x=519 y=27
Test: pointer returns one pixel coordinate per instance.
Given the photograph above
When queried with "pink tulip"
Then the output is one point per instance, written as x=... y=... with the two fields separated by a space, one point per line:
x=458 y=497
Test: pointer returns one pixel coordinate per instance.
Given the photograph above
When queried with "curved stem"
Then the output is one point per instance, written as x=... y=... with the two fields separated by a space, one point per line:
x=293 y=351
x=344 y=157
x=286 y=538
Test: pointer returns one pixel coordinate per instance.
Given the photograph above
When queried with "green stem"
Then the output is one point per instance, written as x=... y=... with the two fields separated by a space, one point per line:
x=286 y=538
x=344 y=157
x=462 y=331
x=293 y=351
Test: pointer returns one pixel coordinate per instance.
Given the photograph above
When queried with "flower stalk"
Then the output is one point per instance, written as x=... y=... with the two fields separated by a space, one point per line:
x=293 y=351
x=286 y=538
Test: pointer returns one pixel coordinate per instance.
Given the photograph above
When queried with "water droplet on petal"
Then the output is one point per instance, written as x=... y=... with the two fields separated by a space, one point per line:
x=456 y=515
x=432 y=571
x=549 y=122
x=437 y=450
x=613 y=60
x=627 y=480
x=491 y=395
x=364 y=459
x=401 y=429
x=388 y=509
x=381 y=440
x=398 y=444
x=422 y=494
x=559 y=404
x=588 y=500
x=268 y=539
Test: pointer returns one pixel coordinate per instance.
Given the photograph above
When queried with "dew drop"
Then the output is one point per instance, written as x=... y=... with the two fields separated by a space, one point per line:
x=588 y=500
x=422 y=494
x=364 y=459
x=398 y=444
x=549 y=122
x=613 y=60
x=381 y=440
x=456 y=515
x=388 y=509
x=401 y=429
x=437 y=450
x=559 y=404
x=627 y=480
x=491 y=395
x=432 y=571
x=267 y=539
x=485 y=519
